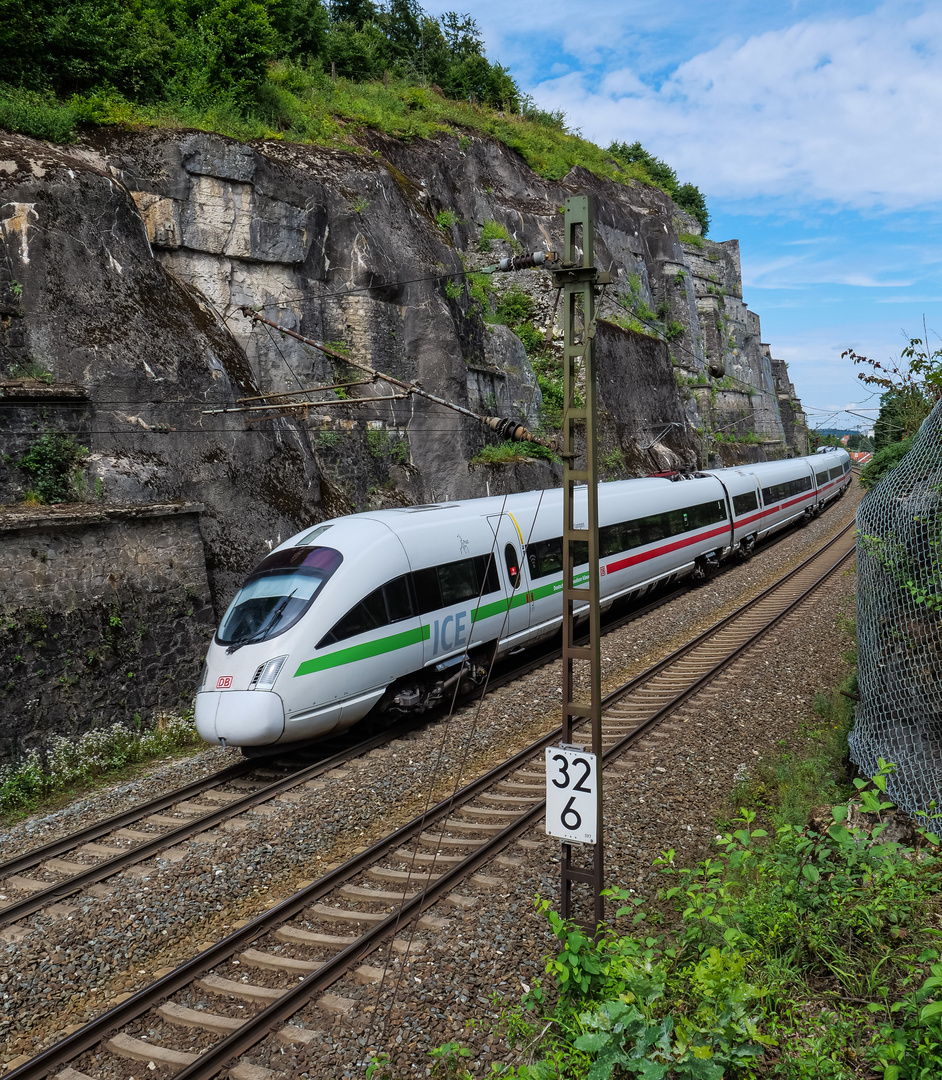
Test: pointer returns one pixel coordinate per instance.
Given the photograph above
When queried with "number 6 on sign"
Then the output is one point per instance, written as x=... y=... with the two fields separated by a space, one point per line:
x=571 y=795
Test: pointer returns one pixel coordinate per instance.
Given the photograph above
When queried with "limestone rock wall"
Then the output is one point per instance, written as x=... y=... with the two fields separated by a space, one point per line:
x=126 y=262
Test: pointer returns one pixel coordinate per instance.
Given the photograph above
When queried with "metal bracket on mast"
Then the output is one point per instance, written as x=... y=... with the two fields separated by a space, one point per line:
x=578 y=279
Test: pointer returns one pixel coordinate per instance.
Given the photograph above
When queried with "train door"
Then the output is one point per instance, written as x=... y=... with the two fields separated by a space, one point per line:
x=513 y=572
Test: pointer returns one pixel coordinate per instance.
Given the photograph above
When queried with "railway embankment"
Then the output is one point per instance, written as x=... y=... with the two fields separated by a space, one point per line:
x=668 y=796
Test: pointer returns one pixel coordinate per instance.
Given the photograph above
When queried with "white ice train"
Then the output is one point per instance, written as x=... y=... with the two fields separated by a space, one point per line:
x=393 y=608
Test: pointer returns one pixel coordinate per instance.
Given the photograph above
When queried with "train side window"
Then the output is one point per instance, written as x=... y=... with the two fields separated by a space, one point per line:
x=743 y=504
x=651 y=528
x=674 y=522
x=630 y=537
x=821 y=477
x=836 y=472
x=546 y=557
x=513 y=565
x=398 y=599
x=369 y=614
x=488 y=581
x=610 y=541
x=458 y=581
x=428 y=593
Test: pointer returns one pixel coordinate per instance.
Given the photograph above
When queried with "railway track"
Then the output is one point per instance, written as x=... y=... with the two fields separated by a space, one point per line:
x=257 y=982
x=83 y=859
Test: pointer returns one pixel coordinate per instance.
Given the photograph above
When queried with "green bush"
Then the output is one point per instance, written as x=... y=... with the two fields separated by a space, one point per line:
x=789 y=942
x=36 y=114
x=492 y=230
x=507 y=453
x=52 y=462
x=884 y=460
x=514 y=307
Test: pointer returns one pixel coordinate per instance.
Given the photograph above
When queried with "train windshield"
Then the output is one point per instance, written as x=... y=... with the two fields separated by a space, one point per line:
x=276 y=594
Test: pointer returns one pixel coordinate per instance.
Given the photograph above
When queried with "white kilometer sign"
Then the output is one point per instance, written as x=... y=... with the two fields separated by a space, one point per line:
x=571 y=795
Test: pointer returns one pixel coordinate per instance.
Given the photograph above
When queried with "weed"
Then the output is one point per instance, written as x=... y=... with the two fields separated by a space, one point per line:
x=691 y=238
x=359 y=205
x=446 y=218
x=383 y=445
x=613 y=463
x=83 y=761
x=453 y=289
x=328 y=440
x=507 y=453
x=32 y=370
x=52 y=461
x=36 y=113
x=493 y=230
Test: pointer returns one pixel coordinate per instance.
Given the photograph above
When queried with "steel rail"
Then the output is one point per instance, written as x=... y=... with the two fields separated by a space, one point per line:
x=212 y=1060
x=35 y=856
x=99 y=871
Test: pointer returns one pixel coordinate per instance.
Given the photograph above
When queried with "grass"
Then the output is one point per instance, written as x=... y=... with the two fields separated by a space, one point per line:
x=302 y=104
x=508 y=453
x=72 y=767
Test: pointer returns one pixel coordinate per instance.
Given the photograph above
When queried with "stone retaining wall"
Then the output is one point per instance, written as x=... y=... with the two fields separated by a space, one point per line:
x=104 y=616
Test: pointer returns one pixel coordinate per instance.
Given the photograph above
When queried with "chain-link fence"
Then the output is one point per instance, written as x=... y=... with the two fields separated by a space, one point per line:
x=899 y=623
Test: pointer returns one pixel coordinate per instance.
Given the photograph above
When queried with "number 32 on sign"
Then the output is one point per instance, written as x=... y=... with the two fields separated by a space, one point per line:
x=571 y=795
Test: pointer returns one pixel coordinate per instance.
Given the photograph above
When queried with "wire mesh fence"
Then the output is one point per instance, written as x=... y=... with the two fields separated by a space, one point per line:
x=899 y=624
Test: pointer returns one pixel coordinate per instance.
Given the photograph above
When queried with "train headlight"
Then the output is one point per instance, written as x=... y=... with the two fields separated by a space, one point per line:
x=264 y=677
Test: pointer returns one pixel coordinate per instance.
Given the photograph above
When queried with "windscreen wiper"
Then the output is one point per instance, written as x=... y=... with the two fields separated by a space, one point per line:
x=272 y=619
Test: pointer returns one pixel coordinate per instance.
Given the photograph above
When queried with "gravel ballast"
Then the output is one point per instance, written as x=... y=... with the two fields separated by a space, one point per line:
x=69 y=969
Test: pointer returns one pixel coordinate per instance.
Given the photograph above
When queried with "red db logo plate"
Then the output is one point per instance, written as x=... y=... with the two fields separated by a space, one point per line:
x=224 y=682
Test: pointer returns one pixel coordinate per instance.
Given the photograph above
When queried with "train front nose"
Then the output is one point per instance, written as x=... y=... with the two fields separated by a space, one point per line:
x=240 y=717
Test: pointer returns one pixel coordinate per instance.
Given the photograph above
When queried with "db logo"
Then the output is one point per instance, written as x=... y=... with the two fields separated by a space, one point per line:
x=603 y=570
x=224 y=682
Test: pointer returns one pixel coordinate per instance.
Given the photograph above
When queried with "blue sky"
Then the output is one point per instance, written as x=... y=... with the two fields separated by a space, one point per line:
x=813 y=129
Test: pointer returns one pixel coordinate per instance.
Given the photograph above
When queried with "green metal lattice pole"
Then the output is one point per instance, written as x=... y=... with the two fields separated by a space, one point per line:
x=582 y=680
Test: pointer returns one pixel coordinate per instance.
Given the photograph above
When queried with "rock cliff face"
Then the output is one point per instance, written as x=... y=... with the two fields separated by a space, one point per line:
x=124 y=263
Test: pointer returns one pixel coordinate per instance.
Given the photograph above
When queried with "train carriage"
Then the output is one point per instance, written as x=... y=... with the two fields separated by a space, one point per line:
x=393 y=609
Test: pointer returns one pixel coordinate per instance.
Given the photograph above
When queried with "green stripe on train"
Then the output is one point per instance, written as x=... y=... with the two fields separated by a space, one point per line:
x=364 y=651
x=485 y=611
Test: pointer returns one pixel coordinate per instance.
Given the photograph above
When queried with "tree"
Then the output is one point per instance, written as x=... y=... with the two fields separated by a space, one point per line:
x=402 y=22
x=462 y=35
x=859 y=442
x=687 y=196
x=359 y=53
x=911 y=387
x=300 y=25
x=358 y=12
x=76 y=45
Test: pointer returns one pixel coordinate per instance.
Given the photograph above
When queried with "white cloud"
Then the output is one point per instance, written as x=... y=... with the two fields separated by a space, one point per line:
x=842 y=110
